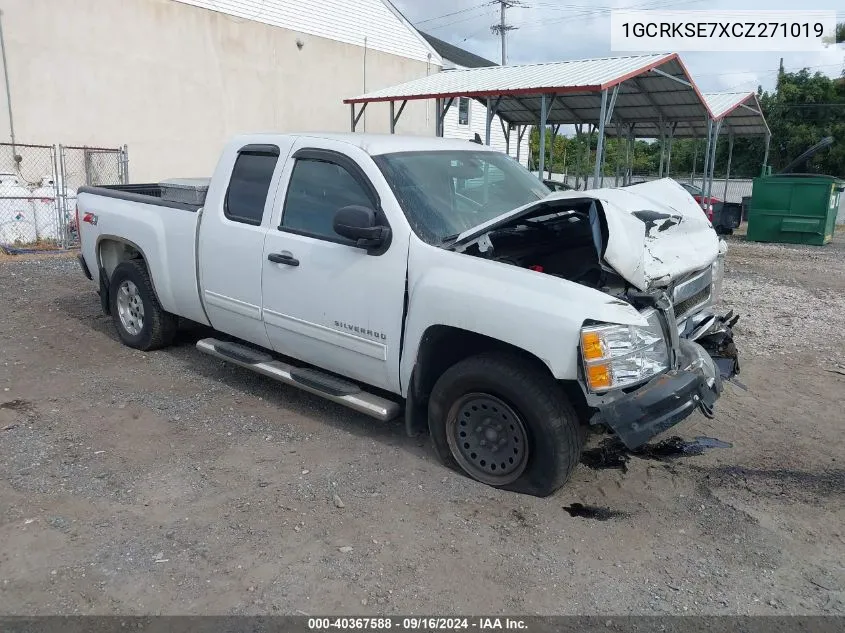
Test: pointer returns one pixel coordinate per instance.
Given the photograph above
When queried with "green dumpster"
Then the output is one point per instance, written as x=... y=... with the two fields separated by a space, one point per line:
x=794 y=208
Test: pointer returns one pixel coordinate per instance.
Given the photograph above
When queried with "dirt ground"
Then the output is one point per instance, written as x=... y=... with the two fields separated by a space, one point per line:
x=170 y=483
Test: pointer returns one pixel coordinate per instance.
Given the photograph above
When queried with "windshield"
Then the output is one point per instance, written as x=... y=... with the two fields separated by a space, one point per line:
x=444 y=193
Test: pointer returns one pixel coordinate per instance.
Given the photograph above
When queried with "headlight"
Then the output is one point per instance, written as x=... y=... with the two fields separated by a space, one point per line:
x=618 y=356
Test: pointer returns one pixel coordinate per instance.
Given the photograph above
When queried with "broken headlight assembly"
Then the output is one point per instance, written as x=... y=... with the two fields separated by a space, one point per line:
x=617 y=356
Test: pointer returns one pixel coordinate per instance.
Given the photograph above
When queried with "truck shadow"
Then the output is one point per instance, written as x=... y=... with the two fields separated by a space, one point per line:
x=86 y=310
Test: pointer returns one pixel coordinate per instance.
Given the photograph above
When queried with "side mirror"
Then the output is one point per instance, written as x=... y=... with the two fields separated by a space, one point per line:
x=358 y=224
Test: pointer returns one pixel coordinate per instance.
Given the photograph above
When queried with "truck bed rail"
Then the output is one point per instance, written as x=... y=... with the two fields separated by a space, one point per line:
x=142 y=193
x=153 y=189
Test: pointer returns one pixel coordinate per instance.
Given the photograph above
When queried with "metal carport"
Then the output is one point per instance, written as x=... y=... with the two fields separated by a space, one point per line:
x=742 y=115
x=641 y=96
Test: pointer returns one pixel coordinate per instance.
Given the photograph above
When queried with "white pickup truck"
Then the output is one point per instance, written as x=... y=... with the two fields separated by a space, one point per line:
x=389 y=272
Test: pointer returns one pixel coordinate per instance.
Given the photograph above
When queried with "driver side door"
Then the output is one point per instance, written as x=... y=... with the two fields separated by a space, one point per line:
x=325 y=300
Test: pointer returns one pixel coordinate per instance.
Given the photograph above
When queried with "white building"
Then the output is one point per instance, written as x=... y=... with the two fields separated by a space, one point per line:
x=466 y=117
x=174 y=79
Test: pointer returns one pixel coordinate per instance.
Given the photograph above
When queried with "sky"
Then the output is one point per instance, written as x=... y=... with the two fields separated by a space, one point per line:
x=553 y=30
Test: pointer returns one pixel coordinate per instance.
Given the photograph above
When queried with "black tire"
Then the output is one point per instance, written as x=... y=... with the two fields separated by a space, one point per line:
x=159 y=327
x=555 y=435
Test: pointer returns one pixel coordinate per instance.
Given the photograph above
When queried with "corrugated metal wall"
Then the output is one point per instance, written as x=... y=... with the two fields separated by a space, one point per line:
x=348 y=21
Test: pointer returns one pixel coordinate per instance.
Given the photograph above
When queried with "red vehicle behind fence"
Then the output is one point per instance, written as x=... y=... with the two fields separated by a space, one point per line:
x=706 y=204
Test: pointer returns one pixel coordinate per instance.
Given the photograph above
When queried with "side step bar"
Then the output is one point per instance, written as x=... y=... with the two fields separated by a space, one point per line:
x=311 y=380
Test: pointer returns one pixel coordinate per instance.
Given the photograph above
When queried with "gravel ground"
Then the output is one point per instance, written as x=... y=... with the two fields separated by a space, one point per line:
x=787 y=295
x=170 y=483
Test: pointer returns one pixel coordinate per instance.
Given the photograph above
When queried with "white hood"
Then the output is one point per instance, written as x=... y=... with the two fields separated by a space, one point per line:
x=656 y=230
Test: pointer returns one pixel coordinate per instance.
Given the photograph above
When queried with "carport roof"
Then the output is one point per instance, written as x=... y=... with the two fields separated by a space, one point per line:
x=651 y=89
x=740 y=111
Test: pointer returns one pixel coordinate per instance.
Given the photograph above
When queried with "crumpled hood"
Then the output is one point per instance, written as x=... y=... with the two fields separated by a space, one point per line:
x=656 y=231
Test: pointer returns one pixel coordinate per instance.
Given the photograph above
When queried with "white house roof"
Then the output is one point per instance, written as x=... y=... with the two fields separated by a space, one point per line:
x=458 y=56
x=652 y=89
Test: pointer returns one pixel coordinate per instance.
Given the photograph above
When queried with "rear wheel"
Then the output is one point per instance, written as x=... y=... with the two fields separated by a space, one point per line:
x=504 y=421
x=140 y=320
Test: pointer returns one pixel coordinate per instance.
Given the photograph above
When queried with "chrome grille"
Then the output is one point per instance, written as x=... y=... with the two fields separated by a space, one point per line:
x=692 y=293
x=686 y=306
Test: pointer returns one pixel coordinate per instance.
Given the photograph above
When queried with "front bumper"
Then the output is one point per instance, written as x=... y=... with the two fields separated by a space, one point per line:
x=667 y=399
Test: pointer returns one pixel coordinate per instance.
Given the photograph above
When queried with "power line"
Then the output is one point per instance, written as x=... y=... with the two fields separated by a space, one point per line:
x=765 y=71
x=604 y=10
x=760 y=72
x=584 y=10
x=474 y=33
x=446 y=15
x=778 y=104
x=472 y=17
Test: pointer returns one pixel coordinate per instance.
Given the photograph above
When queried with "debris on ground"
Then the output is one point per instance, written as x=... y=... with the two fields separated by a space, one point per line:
x=593 y=512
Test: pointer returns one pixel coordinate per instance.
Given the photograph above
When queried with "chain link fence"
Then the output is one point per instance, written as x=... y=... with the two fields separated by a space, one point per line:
x=87 y=166
x=38 y=185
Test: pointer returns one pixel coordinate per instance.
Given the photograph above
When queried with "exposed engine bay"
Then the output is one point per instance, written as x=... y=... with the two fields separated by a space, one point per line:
x=567 y=238
x=651 y=234
x=563 y=238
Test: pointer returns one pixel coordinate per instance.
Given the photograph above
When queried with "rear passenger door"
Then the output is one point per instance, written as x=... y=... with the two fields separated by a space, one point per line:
x=325 y=300
x=231 y=240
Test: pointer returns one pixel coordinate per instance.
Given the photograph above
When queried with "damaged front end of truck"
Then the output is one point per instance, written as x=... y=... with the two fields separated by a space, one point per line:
x=701 y=358
x=650 y=247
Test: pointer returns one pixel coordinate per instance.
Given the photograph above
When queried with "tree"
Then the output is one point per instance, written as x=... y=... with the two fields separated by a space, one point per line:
x=801 y=110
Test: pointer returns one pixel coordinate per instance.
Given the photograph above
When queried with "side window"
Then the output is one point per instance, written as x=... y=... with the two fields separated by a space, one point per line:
x=463 y=111
x=316 y=191
x=249 y=185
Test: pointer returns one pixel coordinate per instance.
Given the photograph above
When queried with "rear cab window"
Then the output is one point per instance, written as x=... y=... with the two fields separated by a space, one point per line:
x=249 y=183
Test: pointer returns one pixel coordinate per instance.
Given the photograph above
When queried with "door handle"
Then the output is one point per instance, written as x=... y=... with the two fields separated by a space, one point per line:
x=283 y=258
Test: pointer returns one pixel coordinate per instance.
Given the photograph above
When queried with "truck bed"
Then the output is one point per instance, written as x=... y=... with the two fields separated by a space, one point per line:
x=165 y=231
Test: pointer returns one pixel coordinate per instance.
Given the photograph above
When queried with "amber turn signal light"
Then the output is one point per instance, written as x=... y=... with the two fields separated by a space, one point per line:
x=591 y=346
x=599 y=376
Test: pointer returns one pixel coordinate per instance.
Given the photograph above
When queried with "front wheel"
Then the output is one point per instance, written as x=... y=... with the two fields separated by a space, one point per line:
x=504 y=421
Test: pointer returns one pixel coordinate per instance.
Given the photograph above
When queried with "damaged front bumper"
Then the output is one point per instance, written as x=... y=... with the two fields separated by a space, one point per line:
x=704 y=361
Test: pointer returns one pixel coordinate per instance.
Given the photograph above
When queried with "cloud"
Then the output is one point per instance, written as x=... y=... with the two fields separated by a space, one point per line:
x=553 y=30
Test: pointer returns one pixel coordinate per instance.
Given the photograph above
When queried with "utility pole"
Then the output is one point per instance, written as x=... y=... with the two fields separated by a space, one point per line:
x=503 y=27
